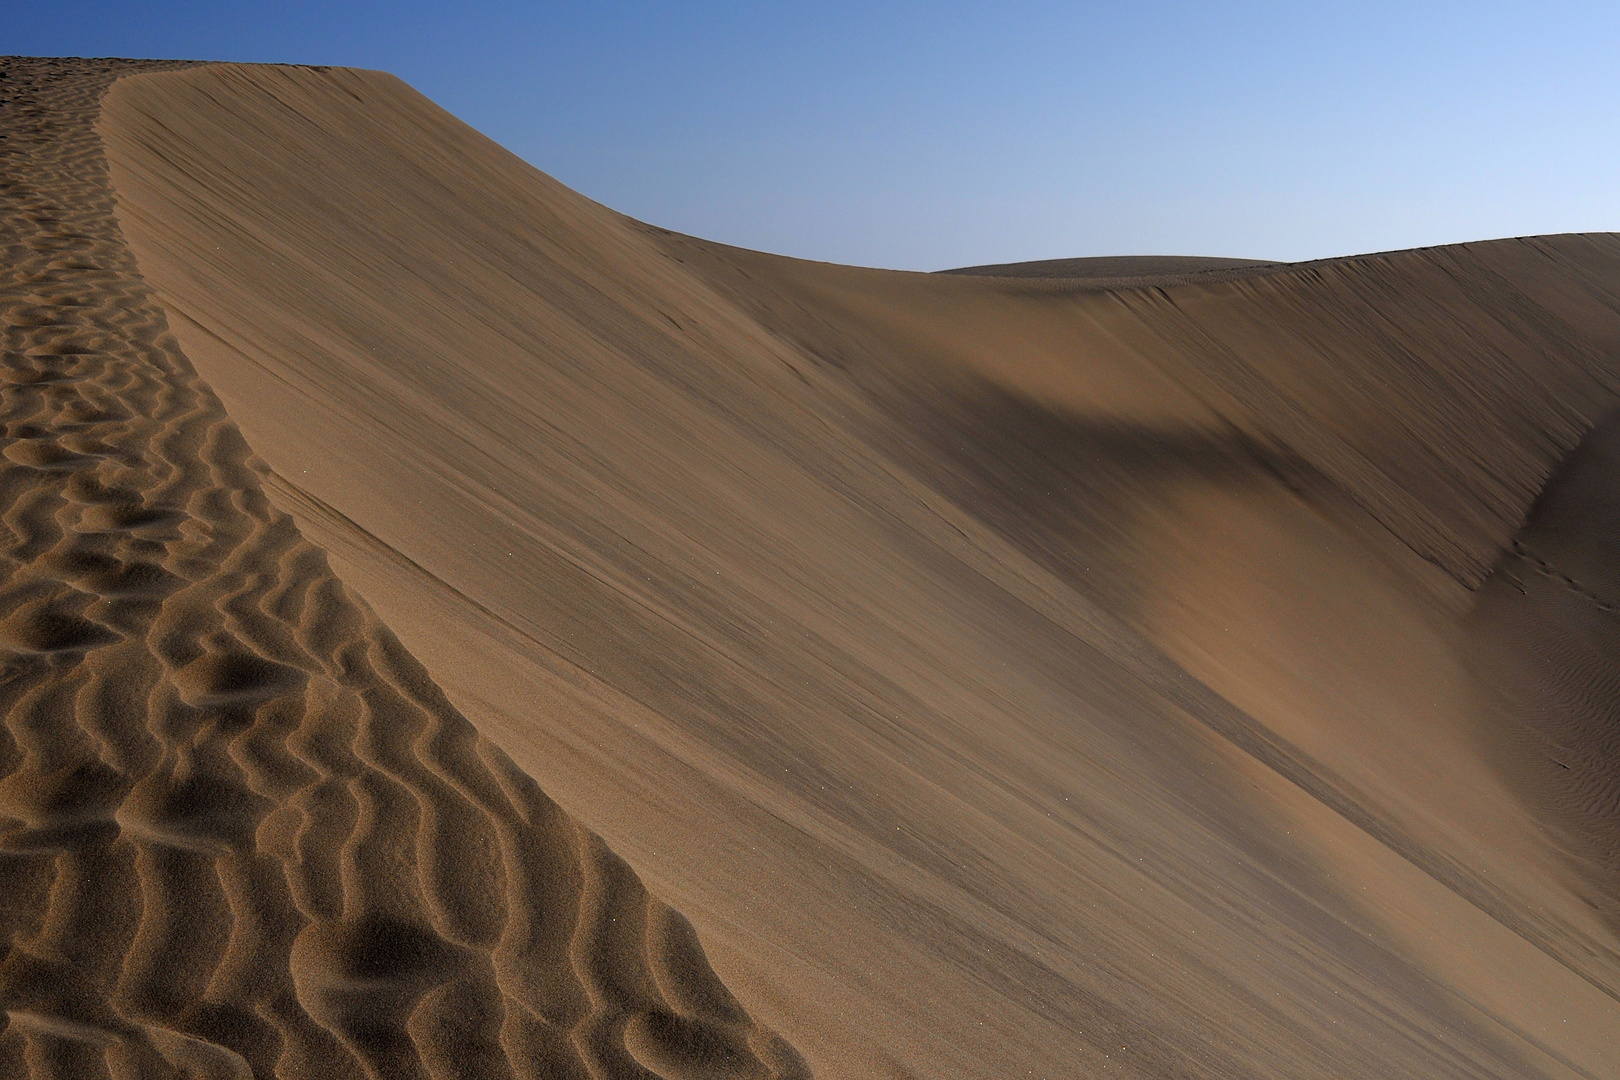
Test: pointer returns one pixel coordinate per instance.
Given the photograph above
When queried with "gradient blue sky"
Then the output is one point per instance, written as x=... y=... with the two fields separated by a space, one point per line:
x=923 y=136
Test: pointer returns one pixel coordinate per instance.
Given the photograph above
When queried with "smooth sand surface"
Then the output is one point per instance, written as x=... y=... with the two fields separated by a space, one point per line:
x=1002 y=675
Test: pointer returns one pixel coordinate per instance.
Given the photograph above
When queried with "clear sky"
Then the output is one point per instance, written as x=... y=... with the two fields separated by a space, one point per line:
x=940 y=134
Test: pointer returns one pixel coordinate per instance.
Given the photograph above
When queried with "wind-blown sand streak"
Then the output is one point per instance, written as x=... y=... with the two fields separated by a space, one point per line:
x=241 y=831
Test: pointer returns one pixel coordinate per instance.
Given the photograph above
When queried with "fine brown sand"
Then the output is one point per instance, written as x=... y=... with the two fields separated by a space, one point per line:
x=1145 y=669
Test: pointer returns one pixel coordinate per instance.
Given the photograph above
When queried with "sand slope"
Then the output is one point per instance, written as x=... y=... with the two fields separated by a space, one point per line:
x=1546 y=628
x=1006 y=676
x=241 y=831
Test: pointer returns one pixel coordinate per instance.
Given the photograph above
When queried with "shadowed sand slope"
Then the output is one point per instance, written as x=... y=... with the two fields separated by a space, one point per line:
x=242 y=833
x=1547 y=626
x=1007 y=677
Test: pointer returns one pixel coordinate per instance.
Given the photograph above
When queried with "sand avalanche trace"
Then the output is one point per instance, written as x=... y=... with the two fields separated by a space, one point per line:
x=1136 y=667
x=243 y=832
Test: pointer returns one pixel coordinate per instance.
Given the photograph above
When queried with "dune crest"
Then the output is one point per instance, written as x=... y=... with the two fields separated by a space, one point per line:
x=1124 y=271
x=242 y=833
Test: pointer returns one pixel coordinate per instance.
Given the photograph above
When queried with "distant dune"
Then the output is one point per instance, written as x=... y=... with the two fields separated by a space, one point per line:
x=1121 y=268
x=1141 y=667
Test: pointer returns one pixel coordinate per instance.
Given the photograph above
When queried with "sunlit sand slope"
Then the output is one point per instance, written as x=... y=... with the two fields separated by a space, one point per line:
x=241 y=831
x=1006 y=676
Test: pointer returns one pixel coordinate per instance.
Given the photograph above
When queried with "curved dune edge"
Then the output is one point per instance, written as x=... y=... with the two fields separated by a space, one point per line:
x=883 y=612
x=241 y=831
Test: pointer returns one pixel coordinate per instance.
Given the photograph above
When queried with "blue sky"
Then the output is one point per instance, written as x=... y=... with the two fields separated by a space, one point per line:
x=923 y=136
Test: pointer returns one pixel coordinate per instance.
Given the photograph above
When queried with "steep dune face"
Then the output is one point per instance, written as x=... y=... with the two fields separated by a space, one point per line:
x=1006 y=677
x=1317 y=580
x=242 y=833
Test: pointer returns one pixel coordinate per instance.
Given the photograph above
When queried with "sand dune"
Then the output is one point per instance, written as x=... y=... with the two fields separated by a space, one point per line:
x=1125 y=271
x=1150 y=669
x=245 y=835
